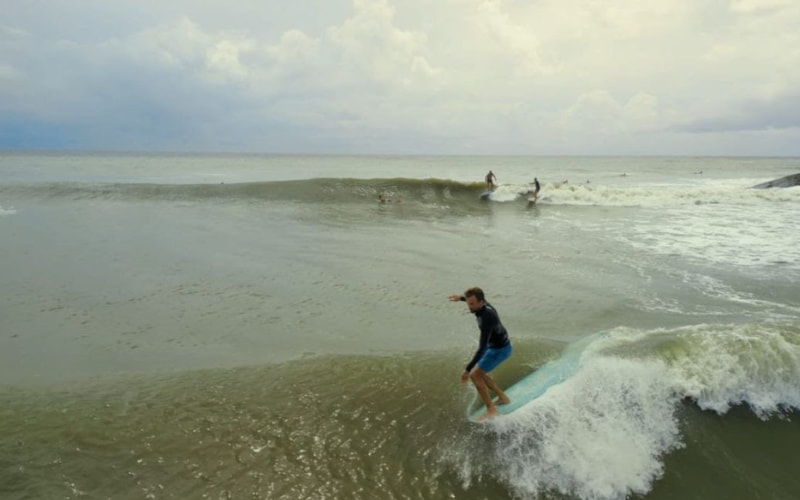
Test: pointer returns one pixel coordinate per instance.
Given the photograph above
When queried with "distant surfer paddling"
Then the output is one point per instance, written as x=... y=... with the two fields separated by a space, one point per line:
x=490 y=178
x=494 y=348
x=383 y=199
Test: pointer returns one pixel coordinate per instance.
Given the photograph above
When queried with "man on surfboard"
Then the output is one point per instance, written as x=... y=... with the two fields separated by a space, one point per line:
x=490 y=178
x=536 y=187
x=494 y=348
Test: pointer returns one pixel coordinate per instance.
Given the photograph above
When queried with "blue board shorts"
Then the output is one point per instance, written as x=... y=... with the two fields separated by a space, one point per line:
x=493 y=357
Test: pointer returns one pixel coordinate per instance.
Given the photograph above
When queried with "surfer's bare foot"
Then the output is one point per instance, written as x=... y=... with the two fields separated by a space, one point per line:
x=490 y=413
x=502 y=401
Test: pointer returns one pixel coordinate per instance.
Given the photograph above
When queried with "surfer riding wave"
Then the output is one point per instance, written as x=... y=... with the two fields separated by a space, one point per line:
x=494 y=347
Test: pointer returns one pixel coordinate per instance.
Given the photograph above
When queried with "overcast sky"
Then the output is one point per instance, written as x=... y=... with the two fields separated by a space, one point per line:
x=674 y=77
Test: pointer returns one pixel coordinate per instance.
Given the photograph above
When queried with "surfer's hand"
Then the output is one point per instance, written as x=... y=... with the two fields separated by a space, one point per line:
x=464 y=377
x=455 y=297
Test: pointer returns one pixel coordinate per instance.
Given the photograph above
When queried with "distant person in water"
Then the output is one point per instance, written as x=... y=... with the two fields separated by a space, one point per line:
x=494 y=347
x=383 y=199
x=490 y=178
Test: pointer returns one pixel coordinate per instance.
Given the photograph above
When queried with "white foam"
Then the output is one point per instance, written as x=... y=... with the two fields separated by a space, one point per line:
x=604 y=432
x=600 y=434
x=507 y=193
x=721 y=222
x=724 y=234
x=5 y=212
x=724 y=366
x=733 y=192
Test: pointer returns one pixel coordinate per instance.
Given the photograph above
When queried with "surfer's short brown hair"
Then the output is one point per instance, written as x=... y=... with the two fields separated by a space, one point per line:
x=475 y=292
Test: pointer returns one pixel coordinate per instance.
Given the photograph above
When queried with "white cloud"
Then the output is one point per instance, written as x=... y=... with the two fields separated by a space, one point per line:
x=749 y=6
x=496 y=76
x=10 y=73
x=508 y=37
x=599 y=112
x=294 y=45
x=371 y=46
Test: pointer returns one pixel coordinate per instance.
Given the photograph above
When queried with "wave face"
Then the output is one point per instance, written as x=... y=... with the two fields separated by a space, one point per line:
x=430 y=191
x=643 y=410
x=312 y=190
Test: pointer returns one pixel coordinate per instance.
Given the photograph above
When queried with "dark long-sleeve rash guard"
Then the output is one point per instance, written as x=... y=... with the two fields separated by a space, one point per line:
x=493 y=333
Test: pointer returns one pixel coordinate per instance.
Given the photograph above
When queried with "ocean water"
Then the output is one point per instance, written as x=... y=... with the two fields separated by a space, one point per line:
x=222 y=326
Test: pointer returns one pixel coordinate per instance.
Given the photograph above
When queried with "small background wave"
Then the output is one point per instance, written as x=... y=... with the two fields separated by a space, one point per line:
x=315 y=190
x=432 y=191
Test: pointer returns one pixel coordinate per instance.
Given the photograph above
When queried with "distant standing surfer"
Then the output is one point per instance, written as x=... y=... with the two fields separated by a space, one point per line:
x=490 y=178
x=534 y=196
x=494 y=348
